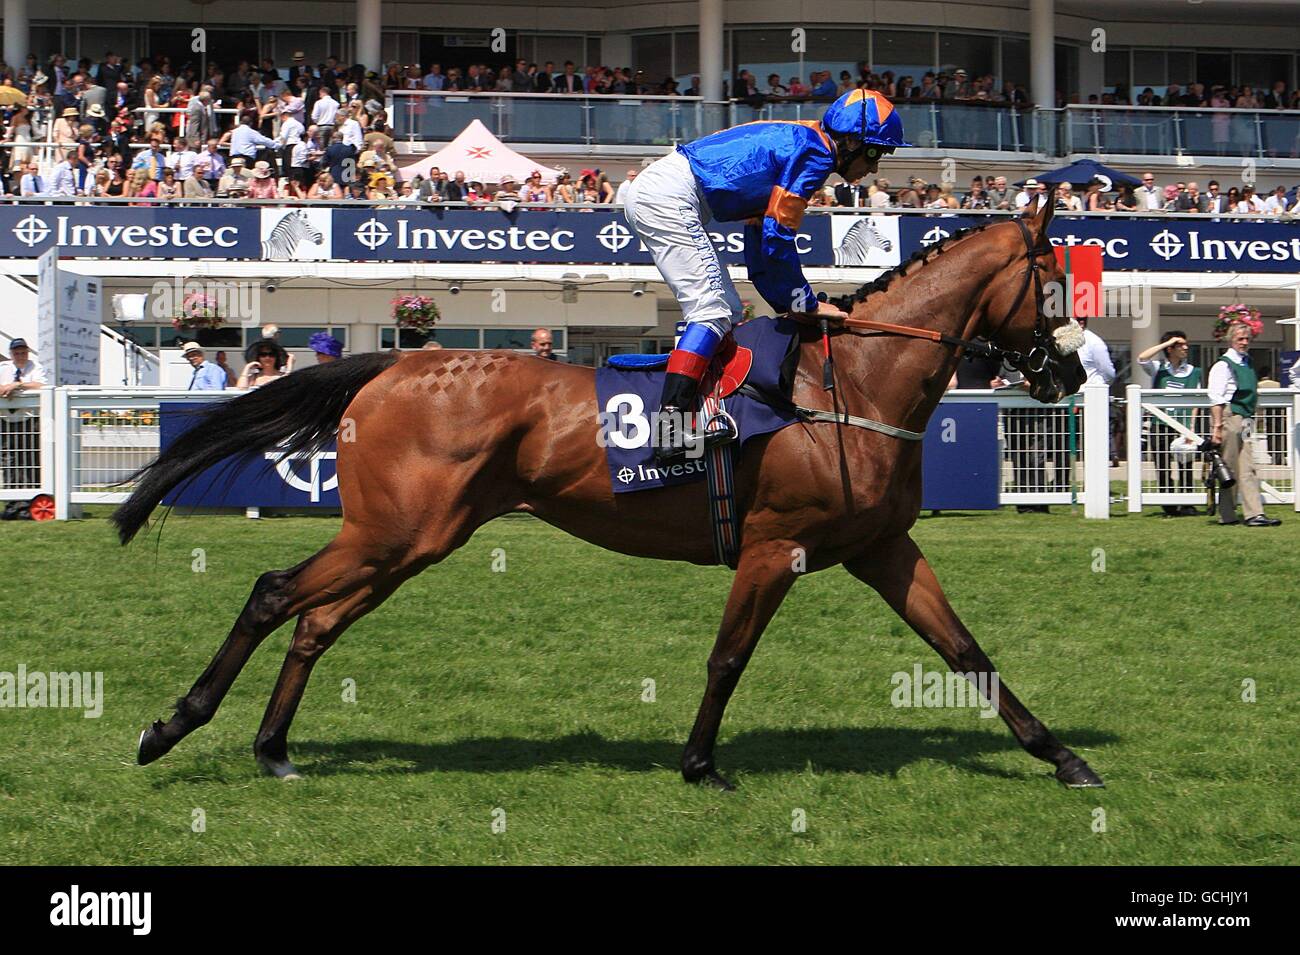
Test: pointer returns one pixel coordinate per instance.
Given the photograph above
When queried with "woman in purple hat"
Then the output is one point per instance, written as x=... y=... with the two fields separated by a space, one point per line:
x=326 y=346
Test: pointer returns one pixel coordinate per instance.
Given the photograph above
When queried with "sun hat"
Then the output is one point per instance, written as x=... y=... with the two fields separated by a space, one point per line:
x=190 y=347
x=325 y=344
x=262 y=169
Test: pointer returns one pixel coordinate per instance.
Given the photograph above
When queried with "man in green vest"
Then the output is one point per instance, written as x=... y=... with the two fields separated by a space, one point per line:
x=1172 y=372
x=1234 y=392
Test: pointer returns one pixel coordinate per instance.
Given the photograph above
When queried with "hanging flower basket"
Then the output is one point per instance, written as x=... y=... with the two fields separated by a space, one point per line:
x=1239 y=313
x=416 y=311
x=198 y=310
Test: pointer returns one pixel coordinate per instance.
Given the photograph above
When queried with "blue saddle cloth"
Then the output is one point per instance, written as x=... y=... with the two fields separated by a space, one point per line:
x=629 y=389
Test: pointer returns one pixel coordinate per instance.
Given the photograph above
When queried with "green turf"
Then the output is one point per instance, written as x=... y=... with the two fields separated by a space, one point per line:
x=521 y=691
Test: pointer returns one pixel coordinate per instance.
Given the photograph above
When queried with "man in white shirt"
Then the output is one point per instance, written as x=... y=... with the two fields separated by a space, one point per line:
x=621 y=194
x=1095 y=357
x=1149 y=196
x=352 y=134
x=20 y=427
x=1035 y=191
x=32 y=183
x=1233 y=391
x=181 y=160
x=1276 y=204
x=291 y=132
x=323 y=113
x=64 y=183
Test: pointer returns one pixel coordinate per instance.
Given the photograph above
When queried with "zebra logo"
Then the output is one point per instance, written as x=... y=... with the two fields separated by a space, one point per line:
x=293 y=229
x=858 y=242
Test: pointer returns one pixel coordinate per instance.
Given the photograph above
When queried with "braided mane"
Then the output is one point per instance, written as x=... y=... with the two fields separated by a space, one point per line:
x=922 y=255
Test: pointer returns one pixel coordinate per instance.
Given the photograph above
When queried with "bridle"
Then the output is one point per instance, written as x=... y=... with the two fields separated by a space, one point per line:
x=1040 y=356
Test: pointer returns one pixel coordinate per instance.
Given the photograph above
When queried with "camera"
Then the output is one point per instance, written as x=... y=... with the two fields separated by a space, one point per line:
x=454 y=289
x=1217 y=470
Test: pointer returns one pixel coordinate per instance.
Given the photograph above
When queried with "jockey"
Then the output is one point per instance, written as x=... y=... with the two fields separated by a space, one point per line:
x=763 y=172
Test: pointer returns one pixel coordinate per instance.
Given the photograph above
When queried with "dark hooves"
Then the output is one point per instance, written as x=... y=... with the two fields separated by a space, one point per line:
x=151 y=745
x=1076 y=774
x=712 y=779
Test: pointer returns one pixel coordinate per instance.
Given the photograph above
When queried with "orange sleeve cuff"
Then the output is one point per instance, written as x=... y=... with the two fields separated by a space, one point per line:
x=786 y=207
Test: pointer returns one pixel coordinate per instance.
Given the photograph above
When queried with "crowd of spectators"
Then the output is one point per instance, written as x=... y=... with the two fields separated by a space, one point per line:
x=994 y=192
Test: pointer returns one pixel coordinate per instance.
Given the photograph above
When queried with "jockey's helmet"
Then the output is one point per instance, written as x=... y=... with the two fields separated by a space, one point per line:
x=868 y=120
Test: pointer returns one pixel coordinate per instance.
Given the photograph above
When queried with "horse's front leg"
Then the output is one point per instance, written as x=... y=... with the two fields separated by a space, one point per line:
x=764 y=575
x=901 y=574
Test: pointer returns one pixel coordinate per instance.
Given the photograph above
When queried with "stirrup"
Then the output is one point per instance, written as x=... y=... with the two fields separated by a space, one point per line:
x=718 y=430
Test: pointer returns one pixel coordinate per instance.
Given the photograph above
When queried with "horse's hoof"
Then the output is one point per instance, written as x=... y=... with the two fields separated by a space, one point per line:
x=151 y=744
x=1076 y=774
x=279 y=768
x=710 y=778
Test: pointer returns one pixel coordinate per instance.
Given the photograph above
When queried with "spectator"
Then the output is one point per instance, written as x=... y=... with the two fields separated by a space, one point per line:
x=623 y=186
x=206 y=376
x=267 y=362
x=1095 y=357
x=231 y=377
x=1173 y=371
x=262 y=185
x=326 y=346
x=1034 y=191
x=250 y=145
x=1215 y=201
x=325 y=187
x=1191 y=200
x=169 y=188
x=1066 y=200
x=1149 y=196
x=543 y=344
x=32 y=184
x=1234 y=393
x=568 y=81
x=234 y=181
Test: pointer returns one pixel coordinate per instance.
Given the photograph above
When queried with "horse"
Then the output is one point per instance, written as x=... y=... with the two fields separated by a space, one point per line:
x=434 y=444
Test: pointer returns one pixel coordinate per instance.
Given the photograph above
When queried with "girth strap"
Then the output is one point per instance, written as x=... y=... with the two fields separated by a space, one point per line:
x=781 y=403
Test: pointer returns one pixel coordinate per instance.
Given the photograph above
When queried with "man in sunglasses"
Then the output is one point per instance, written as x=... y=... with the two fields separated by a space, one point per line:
x=1150 y=197
x=764 y=173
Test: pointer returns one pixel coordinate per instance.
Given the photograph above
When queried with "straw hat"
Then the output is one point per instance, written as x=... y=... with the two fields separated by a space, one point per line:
x=189 y=347
x=70 y=111
x=261 y=169
x=95 y=111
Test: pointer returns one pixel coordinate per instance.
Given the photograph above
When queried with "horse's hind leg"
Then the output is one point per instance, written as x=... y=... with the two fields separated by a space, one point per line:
x=334 y=572
x=901 y=574
x=316 y=632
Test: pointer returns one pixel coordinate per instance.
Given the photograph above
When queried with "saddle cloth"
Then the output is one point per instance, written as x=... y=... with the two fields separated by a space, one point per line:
x=762 y=352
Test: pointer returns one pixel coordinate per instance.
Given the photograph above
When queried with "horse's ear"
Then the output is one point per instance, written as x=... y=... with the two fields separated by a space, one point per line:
x=1043 y=217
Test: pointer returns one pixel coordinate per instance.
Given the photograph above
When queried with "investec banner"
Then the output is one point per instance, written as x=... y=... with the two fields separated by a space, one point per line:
x=462 y=235
x=1164 y=245
x=423 y=234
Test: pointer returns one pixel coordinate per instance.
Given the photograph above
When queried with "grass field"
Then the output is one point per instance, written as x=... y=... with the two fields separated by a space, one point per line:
x=522 y=691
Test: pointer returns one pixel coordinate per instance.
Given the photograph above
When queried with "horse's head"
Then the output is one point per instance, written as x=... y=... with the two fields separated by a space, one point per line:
x=1043 y=349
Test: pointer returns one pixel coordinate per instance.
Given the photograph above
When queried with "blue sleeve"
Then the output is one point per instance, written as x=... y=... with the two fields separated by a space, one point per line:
x=771 y=254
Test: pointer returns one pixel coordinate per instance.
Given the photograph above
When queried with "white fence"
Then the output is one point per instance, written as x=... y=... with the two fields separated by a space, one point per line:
x=79 y=443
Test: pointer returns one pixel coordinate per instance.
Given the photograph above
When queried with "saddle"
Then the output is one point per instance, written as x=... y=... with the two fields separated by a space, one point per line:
x=728 y=370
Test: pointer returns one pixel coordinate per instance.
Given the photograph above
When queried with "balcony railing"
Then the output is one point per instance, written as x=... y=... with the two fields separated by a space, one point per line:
x=588 y=120
x=1181 y=131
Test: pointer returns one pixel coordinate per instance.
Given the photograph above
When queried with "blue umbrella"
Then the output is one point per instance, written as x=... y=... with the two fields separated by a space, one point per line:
x=1085 y=171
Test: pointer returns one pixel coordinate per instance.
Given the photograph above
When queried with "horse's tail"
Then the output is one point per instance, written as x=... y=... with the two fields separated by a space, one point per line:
x=297 y=413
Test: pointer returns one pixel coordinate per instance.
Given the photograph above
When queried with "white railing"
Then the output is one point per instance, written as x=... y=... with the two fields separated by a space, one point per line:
x=1156 y=473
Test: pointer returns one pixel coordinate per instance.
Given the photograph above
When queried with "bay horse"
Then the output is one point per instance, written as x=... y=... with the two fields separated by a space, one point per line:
x=444 y=441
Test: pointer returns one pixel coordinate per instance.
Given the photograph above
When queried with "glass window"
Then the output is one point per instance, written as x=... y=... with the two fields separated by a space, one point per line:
x=686 y=57
x=1178 y=63
x=94 y=42
x=518 y=338
x=298 y=336
x=1262 y=70
x=456 y=337
x=402 y=47
x=561 y=48
x=766 y=51
x=46 y=41
x=908 y=52
x=143 y=335
x=1015 y=61
x=313 y=43
x=1067 y=72
x=971 y=52
x=1116 y=69
x=836 y=50
x=1149 y=70
x=653 y=53
x=593 y=52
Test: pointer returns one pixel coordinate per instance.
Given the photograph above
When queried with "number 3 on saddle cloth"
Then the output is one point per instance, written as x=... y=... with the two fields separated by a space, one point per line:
x=761 y=353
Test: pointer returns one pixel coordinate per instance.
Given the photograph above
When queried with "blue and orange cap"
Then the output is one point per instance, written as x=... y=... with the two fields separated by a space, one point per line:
x=866 y=114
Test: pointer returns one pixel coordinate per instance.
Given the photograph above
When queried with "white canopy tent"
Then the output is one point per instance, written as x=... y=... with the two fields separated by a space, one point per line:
x=482 y=157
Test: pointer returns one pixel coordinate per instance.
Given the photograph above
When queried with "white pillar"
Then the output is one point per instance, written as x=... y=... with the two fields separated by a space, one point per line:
x=711 y=59
x=368 y=33
x=1042 y=52
x=17 y=33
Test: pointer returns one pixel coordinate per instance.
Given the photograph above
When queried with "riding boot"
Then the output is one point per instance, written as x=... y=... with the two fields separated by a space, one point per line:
x=678 y=430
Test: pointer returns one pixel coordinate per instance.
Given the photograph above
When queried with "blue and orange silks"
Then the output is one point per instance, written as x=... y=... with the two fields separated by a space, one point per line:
x=765 y=172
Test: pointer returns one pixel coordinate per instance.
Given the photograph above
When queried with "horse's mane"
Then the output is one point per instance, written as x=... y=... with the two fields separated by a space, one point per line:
x=923 y=255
